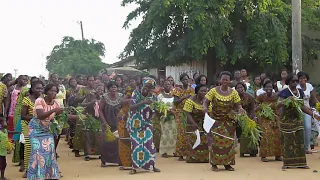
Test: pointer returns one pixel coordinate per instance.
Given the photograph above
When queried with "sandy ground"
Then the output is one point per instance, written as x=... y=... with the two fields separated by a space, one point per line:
x=246 y=169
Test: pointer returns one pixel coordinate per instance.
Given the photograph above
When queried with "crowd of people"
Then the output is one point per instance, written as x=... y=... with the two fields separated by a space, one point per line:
x=123 y=105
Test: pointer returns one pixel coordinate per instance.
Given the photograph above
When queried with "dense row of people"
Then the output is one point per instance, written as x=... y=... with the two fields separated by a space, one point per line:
x=123 y=105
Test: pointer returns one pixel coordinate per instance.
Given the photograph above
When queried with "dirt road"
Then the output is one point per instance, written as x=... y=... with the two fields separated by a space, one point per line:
x=73 y=168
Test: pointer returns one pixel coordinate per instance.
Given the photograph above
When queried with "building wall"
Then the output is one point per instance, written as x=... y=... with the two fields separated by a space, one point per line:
x=190 y=69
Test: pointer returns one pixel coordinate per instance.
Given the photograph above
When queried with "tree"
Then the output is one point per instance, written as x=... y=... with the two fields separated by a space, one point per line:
x=254 y=33
x=76 y=57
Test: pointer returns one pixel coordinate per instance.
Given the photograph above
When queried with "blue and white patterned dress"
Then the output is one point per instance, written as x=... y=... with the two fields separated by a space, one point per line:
x=140 y=128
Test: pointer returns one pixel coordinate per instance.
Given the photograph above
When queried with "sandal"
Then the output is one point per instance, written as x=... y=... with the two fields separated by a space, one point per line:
x=229 y=168
x=303 y=167
x=156 y=170
x=264 y=159
x=165 y=155
x=87 y=158
x=181 y=158
x=133 y=171
x=214 y=168
x=103 y=164
x=278 y=158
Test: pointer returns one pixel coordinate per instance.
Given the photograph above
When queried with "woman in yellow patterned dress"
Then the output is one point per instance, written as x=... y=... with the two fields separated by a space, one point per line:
x=35 y=92
x=194 y=110
x=124 y=138
x=224 y=100
x=270 y=144
x=180 y=96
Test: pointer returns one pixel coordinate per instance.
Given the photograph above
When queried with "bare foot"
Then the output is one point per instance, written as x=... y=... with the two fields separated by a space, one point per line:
x=156 y=170
x=133 y=171
x=214 y=168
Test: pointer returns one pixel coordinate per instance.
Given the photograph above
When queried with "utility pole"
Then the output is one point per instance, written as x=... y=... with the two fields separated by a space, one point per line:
x=296 y=36
x=15 y=73
x=81 y=30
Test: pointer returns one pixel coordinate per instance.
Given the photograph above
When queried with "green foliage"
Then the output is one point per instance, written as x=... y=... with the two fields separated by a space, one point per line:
x=256 y=33
x=76 y=57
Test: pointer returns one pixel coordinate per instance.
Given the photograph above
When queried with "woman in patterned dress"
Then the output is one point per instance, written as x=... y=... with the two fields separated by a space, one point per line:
x=109 y=108
x=180 y=96
x=91 y=139
x=291 y=126
x=140 y=128
x=35 y=92
x=169 y=128
x=270 y=144
x=248 y=104
x=194 y=110
x=43 y=162
x=122 y=118
x=224 y=100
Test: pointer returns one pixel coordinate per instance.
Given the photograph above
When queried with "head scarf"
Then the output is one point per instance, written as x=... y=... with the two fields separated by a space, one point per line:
x=148 y=80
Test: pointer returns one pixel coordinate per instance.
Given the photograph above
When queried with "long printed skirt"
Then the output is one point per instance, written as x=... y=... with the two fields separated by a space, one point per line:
x=201 y=153
x=92 y=142
x=27 y=145
x=181 y=146
x=168 y=137
x=124 y=142
x=244 y=146
x=293 y=149
x=222 y=149
x=270 y=144
x=156 y=132
x=43 y=163
x=78 y=140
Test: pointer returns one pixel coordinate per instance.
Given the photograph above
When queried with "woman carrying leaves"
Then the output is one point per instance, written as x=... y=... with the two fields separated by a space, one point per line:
x=78 y=141
x=224 y=99
x=248 y=104
x=270 y=144
x=35 y=92
x=140 y=128
x=92 y=132
x=180 y=96
x=43 y=163
x=291 y=124
x=109 y=108
x=122 y=118
x=194 y=111
x=168 y=123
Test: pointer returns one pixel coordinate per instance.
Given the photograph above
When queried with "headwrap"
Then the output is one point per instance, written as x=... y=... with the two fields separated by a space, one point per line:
x=148 y=80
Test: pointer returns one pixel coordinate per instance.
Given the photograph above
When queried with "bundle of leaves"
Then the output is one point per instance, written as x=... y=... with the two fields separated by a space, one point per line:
x=318 y=107
x=92 y=124
x=295 y=104
x=5 y=143
x=60 y=122
x=108 y=135
x=249 y=129
x=161 y=107
x=266 y=111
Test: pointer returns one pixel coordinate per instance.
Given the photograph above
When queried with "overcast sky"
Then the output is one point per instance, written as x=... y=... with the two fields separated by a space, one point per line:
x=30 y=29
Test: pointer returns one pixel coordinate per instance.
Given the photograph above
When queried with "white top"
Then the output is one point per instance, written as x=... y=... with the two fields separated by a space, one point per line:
x=168 y=101
x=261 y=91
x=280 y=86
x=307 y=93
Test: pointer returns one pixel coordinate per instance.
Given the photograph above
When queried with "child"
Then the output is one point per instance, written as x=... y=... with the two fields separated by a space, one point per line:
x=3 y=147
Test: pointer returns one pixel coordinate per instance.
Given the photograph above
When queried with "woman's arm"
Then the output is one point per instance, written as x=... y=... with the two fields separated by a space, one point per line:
x=178 y=100
x=44 y=115
x=125 y=100
x=206 y=103
x=136 y=106
x=252 y=108
x=314 y=96
x=24 y=113
x=101 y=113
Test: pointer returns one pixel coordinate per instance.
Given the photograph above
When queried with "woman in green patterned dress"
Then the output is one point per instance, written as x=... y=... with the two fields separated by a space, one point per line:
x=291 y=126
x=224 y=100
x=270 y=144
x=248 y=104
x=194 y=111
x=180 y=96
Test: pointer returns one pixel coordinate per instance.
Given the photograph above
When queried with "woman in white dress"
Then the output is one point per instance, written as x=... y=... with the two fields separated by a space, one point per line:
x=309 y=94
x=281 y=85
x=168 y=124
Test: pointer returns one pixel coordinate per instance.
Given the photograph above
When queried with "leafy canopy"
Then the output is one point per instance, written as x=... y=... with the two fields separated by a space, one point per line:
x=73 y=57
x=256 y=32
